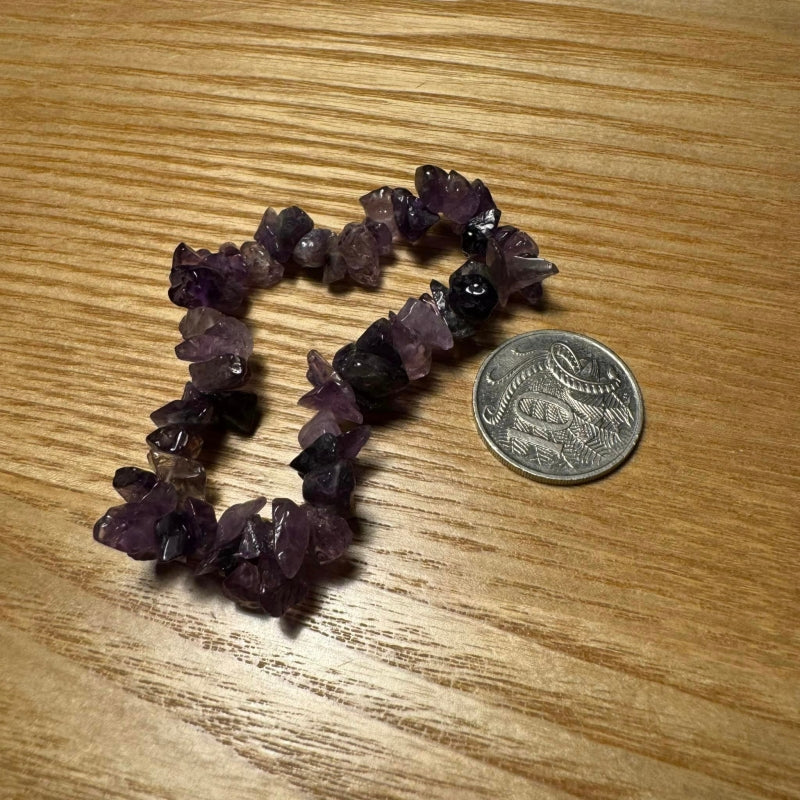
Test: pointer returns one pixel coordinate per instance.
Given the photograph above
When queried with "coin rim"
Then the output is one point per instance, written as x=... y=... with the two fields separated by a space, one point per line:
x=544 y=477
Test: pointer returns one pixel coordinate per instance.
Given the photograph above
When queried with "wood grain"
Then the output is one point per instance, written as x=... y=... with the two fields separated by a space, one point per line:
x=489 y=637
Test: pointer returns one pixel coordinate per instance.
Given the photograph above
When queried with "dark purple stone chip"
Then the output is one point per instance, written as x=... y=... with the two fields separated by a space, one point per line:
x=311 y=252
x=412 y=218
x=290 y=542
x=471 y=294
x=377 y=339
x=330 y=485
x=176 y=440
x=330 y=534
x=185 y=412
x=359 y=249
x=458 y=325
x=131 y=527
x=373 y=378
x=218 y=374
x=323 y=450
x=133 y=483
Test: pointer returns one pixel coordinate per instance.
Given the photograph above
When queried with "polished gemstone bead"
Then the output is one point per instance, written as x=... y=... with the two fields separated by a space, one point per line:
x=377 y=339
x=378 y=206
x=330 y=534
x=185 y=474
x=414 y=354
x=350 y=443
x=431 y=185
x=237 y=411
x=471 y=294
x=231 y=524
x=227 y=335
x=475 y=236
x=257 y=538
x=423 y=318
x=413 y=220
x=330 y=485
x=322 y=422
x=198 y=320
x=176 y=440
x=220 y=373
x=382 y=234
x=263 y=270
x=360 y=251
x=131 y=527
x=175 y=536
x=373 y=378
x=319 y=370
x=336 y=395
x=132 y=483
x=290 y=542
x=322 y=450
x=243 y=586
x=185 y=412
x=311 y=251
x=460 y=327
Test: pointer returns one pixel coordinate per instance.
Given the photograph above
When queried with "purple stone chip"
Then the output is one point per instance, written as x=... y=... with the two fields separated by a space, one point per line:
x=176 y=440
x=132 y=483
x=322 y=422
x=280 y=233
x=378 y=207
x=198 y=320
x=414 y=353
x=330 y=534
x=257 y=538
x=279 y=594
x=220 y=373
x=231 y=524
x=263 y=270
x=335 y=267
x=311 y=252
x=131 y=527
x=423 y=318
x=358 y=248
x=431 y=185
x=319 y=370
x=330 y=485
x=412 y=218
x=226 y=335
x=350 y=443
x=243 y=586
x=335 y=395
x=382 y=235
x=185 y=412
x=185 y=474
x=290 y=542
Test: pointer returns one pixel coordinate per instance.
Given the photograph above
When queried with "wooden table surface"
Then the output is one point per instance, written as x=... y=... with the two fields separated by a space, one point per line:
x=489 y=636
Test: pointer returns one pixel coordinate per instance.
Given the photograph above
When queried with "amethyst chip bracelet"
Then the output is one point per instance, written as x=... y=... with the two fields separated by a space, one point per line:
x=267 y=565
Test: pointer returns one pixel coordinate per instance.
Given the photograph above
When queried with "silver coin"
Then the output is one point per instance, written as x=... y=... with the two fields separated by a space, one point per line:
x=558 y=407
